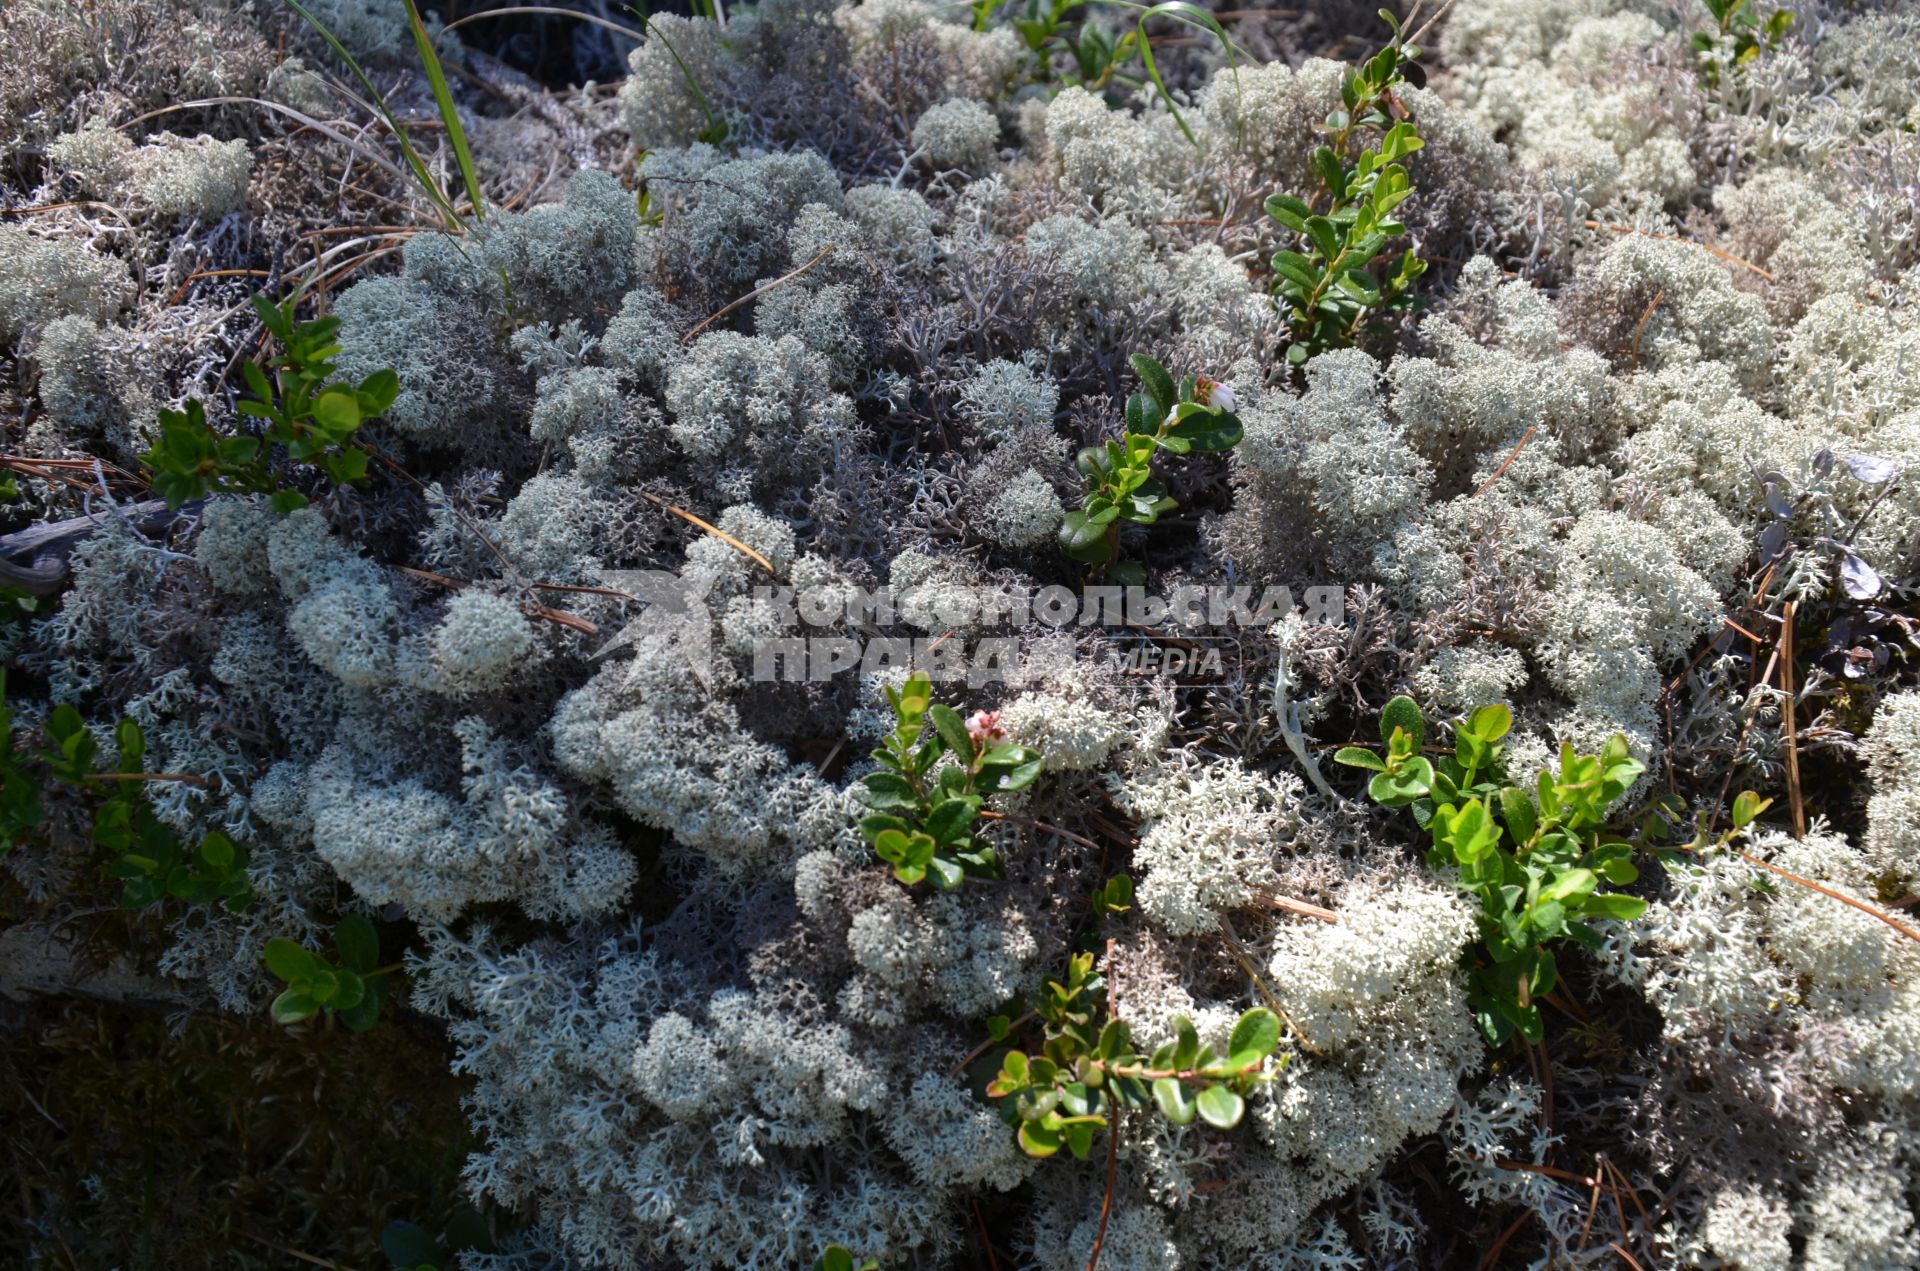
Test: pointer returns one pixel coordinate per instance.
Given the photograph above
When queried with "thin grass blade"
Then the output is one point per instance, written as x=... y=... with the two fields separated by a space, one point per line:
x=420 y=171
x=443 y=98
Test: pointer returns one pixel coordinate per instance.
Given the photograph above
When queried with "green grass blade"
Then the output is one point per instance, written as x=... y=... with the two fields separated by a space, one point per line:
x=716 y=129
x=1186 y=14
x=443 y=98
x=420 y=170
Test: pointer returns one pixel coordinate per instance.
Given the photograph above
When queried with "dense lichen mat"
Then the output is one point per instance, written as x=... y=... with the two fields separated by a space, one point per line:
x=959 y=635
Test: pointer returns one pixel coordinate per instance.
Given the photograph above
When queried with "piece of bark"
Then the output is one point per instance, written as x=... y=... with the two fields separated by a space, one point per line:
x=35 y=559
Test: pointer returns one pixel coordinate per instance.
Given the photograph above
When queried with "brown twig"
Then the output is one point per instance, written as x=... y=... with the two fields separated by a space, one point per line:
x=1740 y=741
x=1239 y=952
x=1300 y=907
x=1624 y=1254
x=1787 y=713
x=1549 y=1171
x=1640 y=327
x=1508 y=462
x=1675 y=238
x=718 y=533
x=755 y=294
x=986 y=1046
x=1493 y=1253
x=185 y=778
x=986 y=1238
x=192 y=278
x=1113 y=1136
x=1633 y=1195
x=472 y=527
x=1427 y=26
x=559 y=617
x=1844 y=899
x=1546 y=1088
x=1042 y=826
x=1593 y=1210
x=1566 y=1006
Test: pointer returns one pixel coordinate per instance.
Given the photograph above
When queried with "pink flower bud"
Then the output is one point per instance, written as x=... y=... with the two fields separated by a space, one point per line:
x=984 y=727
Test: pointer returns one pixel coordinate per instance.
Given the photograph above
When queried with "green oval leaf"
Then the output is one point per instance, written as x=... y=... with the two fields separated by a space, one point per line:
x=1403 y=713
x=337 y=411
x=1174 y=1100
x=1359 y=757
x=288 y=960
x=1256 y=1032
x=1221 y=1107
x=357 y=943
x=291 y=1007
x=1156 y=379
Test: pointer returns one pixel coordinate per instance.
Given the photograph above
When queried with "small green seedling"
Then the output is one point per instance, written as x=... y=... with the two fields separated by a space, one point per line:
x=153 y=865
x=305 y=415
x=1121 y=487
x=1115 y=896
x=1740 y=37
x=1534 y=859
x=840 y=1258
x=147 y=855
x=1067 y=48
x=1327 y=283
x=351 y=988
x=924 y=809
x=1067 y=1092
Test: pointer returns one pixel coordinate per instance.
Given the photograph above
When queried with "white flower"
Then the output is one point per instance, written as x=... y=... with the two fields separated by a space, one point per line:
x=1213 y=393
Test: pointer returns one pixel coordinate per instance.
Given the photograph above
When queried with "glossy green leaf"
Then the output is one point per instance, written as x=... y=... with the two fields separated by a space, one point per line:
x=1403 y=713
x=1256 y=1032
x=1038 y=1140
x=288 y=960
x=357 y=943
x=1220 y=1107
x=1747 y=806
x=1209 y=431
x=1174 y=1100
x=1156 y=380
x=1359 y=757
x=291 y=1007
x=1611 y=905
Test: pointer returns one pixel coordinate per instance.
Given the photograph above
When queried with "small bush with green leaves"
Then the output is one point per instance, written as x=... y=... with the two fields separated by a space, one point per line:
x=20 y=808
x=1741 y=36
x=351 y=988
x=1534 y=860
x=1068 y=49
x=147 y=855
x=1061 y=1096
x=1121 y=488
x=303 y=413
x=16 y=604
x=923 y=810
x=1327 y=283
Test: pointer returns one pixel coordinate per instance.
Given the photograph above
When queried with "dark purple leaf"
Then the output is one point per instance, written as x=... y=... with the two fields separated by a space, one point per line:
x=1772 y=539
x=1872 y=469
x=1858 y=578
